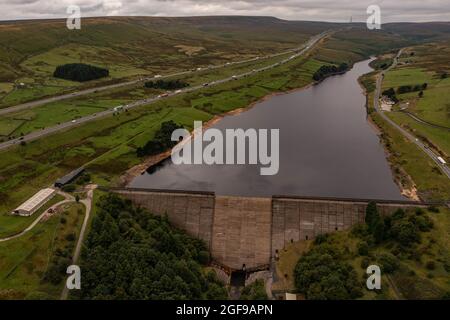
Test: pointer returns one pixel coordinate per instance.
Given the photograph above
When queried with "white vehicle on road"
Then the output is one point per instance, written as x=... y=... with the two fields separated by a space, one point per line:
x=441 y=160
x=73 y=121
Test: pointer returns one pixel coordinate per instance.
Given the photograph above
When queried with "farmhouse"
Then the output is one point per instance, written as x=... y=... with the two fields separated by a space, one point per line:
x=35 y=202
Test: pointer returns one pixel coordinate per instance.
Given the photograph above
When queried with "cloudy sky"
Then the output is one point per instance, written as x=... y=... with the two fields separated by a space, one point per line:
x=319 y=10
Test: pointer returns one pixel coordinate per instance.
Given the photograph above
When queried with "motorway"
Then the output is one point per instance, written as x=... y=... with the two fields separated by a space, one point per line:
x=444 y=168
x=66 y=125
x=83 y=92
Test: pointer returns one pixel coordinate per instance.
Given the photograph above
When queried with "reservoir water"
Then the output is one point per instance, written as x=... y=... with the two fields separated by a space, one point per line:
x=327 y=148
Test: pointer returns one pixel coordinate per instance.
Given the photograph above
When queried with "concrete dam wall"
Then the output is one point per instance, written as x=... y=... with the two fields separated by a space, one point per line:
x=244 y=231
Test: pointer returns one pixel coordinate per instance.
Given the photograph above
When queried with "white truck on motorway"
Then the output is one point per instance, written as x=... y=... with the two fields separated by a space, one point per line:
x=441 y=160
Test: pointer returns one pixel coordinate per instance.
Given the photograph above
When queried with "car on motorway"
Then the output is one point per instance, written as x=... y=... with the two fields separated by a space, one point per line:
x=206 y=84
x=73 y=121
x=441 y=160
x=178 y=91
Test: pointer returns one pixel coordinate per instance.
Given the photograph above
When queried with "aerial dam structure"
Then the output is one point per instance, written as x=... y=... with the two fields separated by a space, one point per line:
x=245 y=233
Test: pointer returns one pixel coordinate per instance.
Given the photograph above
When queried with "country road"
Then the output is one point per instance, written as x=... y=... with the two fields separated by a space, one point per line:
x=88 y=204
x=41 y=133
x=444 y=168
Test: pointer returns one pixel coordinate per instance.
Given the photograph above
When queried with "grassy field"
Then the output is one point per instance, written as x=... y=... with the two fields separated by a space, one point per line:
x=418 y=65
x=24 y=261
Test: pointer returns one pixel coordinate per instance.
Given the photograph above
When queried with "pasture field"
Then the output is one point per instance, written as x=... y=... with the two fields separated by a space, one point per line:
x=418 y=65
x=24 y=261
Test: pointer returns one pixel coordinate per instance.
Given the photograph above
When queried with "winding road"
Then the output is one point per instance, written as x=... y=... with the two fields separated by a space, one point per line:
x=66 y=125
x=443 y=167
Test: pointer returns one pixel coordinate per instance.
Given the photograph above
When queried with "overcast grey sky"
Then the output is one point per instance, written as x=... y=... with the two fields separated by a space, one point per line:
x=319 y=10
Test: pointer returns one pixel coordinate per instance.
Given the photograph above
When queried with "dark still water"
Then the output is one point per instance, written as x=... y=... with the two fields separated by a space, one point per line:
x=327 y=148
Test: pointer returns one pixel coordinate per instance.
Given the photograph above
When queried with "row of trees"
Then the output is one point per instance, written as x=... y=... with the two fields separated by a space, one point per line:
x=412 y=88
x=166 y=84
x=161 y=142
x=402 y=228
x=329 y=70
x=80 y=72
x=131 y=254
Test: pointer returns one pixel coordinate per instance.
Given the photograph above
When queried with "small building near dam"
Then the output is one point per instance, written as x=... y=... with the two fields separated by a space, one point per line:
x=68 y=177
x=33 y=204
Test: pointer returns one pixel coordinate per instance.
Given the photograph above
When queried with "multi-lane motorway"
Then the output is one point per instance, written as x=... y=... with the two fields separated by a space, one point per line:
x=444 y=168
x=47 y=131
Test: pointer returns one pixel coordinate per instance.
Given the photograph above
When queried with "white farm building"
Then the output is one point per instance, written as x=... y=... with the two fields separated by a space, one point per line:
x=35 y=202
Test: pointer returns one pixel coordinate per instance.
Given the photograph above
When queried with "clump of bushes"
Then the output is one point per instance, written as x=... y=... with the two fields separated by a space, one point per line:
x=161 y=142
x=80 y=72
x=321 y=274
x=166 y=84
x=390 y=93
x=329 y=70
x=255 y=291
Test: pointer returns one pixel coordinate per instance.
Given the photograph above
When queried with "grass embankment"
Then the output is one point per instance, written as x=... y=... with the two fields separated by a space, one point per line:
x=24 y=261
x=417 y=271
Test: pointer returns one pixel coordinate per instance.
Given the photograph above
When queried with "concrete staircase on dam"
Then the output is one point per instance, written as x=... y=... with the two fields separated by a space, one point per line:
x=248 y=232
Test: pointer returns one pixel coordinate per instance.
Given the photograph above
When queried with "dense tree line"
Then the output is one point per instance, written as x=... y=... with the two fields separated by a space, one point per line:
x=412 y=88
x=322 y=274
x=329 y=70
x=166 y=84
x=161 y=142
x=80 y=72
x=131 y=254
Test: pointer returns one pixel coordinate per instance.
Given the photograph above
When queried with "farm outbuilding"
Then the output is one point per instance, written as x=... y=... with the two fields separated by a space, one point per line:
x=35 y=202
x=68 y=177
